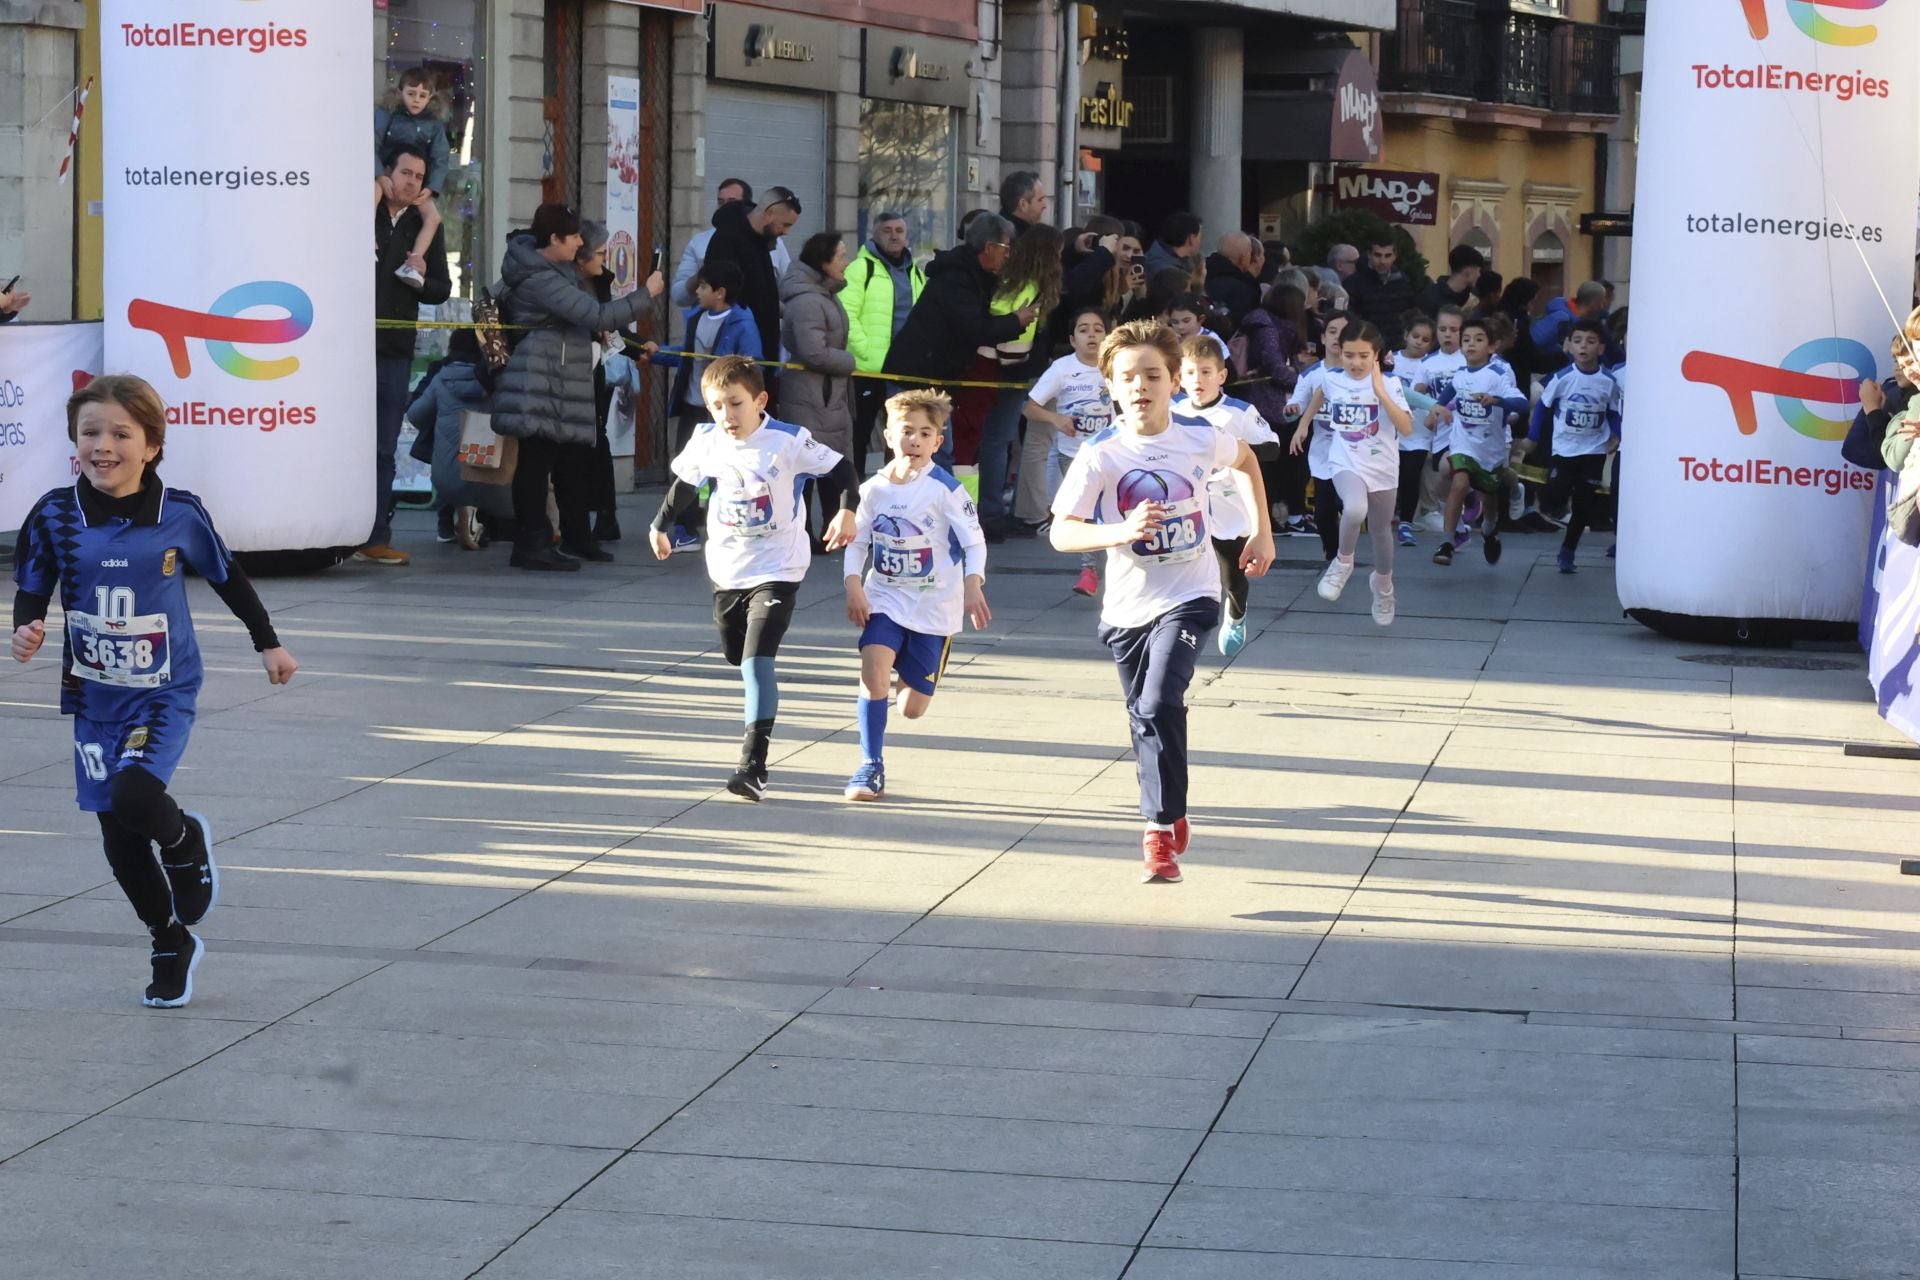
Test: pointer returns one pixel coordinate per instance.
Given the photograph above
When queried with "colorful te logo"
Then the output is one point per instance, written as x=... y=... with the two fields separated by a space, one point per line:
x=1807 y=16
x=1791 y=385
x=221 y=325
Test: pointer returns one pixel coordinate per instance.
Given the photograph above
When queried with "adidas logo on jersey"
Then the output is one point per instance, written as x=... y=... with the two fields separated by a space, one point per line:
x=113 y=564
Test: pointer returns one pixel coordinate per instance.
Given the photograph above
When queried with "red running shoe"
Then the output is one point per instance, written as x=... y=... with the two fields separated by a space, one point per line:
x=1158 y=848
x=1182 y=836
x=1087 y=584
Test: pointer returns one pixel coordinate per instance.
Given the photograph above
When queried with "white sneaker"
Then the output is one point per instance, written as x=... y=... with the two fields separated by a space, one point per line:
x=410 y=275
x=1334 y=580
x=1382 y=599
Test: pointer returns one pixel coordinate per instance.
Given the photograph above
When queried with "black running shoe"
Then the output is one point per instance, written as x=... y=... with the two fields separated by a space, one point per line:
x=192 y=873
x=1444 y=554
x=749 y=783
x=1491 y=548
x=173 y=964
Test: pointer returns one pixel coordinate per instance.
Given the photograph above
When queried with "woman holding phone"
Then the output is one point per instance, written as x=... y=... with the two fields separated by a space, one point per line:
x=13 y=300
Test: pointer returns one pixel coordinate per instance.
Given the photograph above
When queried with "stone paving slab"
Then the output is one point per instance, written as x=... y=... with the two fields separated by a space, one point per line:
x=1480 y=912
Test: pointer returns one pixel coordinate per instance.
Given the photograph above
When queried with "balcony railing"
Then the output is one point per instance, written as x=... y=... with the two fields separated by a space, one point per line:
x=1466 y=49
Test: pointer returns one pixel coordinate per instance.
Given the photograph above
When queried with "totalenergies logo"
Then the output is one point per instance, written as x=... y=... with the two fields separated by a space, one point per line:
x=222 y=325
x=1793 y=385
x=1806 y=15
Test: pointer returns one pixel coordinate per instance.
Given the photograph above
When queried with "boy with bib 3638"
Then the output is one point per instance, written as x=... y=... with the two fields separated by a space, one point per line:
x=117 y=546
x=1138 y=491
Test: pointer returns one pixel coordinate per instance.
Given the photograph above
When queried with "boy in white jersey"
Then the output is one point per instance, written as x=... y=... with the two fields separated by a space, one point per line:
x=1071 y=397
x=1364 y=459
x=1326 y=499
x=1417 y=447
x=1581 y=404
x=929 y=569
x=757 y=550
x=1474 y=408
x=1436 y=375
x=1203 y=379
x=1138 y=492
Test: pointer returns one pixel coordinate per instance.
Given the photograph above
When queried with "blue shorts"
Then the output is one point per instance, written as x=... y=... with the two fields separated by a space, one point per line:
x=920 y=659
x=154 y=740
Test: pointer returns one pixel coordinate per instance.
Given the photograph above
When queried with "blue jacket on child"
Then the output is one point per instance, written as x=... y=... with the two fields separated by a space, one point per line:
x=738 y=336
x=423 y=133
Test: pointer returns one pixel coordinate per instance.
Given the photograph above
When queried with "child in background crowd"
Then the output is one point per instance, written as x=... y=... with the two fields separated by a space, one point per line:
x=1137 y=492
x=757 y=549
x=714 y=327
x=412 y=116
x=118 y=545
x=1474 y=408
x=1188 y=317
x=1582 y=404
x=1326 y=499
x=1072 y=398
x=1364 y=462
x=1436 y=375
x=1904 y=371
x=929 y=571
x=1417 y=446
x=1203 y=378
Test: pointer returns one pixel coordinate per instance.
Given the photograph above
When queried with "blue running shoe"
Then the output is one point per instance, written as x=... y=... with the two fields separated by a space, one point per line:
x=1566 y=561
x=1233 y=636
x=685 y=540
x=869 y=782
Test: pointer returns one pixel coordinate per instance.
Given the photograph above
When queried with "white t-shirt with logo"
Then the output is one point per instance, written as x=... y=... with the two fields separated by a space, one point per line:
x=1364 y=439
x=1321 y=438
x=1116 y=471
x=924 y=539
x=756 y=519
x=1480 y=430
x=1407 y=372
x=1437 y=372
x=1584 y=405
x=1226 y=503
x=1077 y=391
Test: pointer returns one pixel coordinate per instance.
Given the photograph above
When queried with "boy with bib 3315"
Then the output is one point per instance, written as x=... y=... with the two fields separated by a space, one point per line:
x=929 y=564
x=117 y=547
x=1138 y=491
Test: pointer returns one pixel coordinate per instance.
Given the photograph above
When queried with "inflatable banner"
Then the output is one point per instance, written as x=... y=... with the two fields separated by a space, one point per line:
x=1777 y=170
x=239 y=188
x=40 y=366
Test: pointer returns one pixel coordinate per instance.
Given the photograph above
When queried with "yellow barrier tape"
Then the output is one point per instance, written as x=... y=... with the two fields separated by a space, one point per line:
x=764 y=364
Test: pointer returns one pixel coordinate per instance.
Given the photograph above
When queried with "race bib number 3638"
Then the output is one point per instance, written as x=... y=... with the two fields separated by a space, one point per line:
x=128 y=653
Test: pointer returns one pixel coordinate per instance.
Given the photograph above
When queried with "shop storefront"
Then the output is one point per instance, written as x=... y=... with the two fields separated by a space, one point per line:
x=768 y=104
x=912 y=91
x=445 y=39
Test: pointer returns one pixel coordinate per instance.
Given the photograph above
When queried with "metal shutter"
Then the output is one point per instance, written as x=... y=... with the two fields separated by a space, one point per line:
x=771 y=139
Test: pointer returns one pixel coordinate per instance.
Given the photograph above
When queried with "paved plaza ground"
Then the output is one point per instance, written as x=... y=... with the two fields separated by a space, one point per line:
x=1515 y=942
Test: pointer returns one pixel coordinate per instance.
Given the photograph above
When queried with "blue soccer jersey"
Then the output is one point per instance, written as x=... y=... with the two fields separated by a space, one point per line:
x=122 y=584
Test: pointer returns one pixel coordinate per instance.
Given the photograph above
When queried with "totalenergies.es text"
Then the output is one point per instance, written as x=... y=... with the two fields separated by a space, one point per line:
x=193 y=35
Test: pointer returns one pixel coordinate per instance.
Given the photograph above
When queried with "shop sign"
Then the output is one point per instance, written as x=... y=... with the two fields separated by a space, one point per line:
x=1356 y=111
x=1327 y=108
x=760 y=47
x=1104 y=109
x=1409 y=198
x=921 y=69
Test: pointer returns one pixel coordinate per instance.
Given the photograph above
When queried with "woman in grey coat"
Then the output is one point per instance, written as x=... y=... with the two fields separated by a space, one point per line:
x=544 y=396
x=813 y=329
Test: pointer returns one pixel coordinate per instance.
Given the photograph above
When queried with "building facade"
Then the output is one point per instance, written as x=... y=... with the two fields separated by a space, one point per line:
x=1509 y=113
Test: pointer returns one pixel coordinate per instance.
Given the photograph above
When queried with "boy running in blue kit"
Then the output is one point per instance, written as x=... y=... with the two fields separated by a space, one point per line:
x=1582 y=404
x=1473 y=410
x=757 y=550
x=117 y=546
x=1138 y=492
x=929 y=568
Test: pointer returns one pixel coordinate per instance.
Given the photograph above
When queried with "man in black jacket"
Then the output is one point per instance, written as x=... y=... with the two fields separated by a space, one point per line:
x=745 y=234
x=1378 y=292
x=1458 y=286
x=396 y=223
x=952 y=317
x=1233 y=275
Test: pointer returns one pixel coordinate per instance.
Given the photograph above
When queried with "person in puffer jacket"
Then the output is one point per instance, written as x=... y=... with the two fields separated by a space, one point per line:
x=439 y=411
x=814 y=328
x=544 y=397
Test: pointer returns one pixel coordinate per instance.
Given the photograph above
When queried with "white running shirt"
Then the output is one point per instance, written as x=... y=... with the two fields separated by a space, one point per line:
x=1364 y=439
x=1077 y=391
x=1480 y=430
x=1321 y=438
x=925 y=541
x=1584 y=407
x=1226 y=507
x=756 y=520
x=1116 y=471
